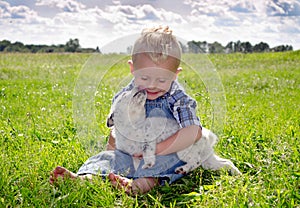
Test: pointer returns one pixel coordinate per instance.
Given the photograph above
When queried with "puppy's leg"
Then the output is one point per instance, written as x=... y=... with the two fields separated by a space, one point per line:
x=149 y=154
x=215 y=162
x=186 y=168
x=192 y=158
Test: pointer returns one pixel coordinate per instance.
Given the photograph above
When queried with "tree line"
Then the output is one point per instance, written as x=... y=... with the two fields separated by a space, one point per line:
x=71 y=46
x=192 y=47
x=232 y=47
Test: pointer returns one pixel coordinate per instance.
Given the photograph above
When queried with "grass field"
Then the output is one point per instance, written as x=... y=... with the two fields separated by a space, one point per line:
x=260 y=133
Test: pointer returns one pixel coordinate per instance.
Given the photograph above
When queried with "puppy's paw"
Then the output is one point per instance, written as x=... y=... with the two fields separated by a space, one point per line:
x=148 y=165
x=180 y=170
x=235 y=171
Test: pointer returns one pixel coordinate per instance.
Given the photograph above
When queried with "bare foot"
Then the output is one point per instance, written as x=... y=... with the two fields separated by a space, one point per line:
x=120 y=182
x=61 y=172
x=140 y=185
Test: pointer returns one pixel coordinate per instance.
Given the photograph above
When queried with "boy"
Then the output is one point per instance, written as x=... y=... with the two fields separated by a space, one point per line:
x=155 y=64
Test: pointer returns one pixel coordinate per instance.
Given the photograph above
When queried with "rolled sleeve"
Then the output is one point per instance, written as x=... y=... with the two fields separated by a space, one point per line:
x=184 y=110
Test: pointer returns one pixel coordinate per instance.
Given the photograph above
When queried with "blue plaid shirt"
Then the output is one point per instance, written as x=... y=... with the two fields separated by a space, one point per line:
x=182 y=106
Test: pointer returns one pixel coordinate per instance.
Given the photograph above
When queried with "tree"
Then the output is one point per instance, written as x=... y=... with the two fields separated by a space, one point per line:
x=215 y=48
x=193 y=47
x=183 y=47
x=4 y=44
x=229 y=48
x=16 y=47
x=261 y=47
x=72 y=45
x=282 y=48
x=98 y=50
x=238 y=46
x=197 y=47
x=289 y=48
x=129 y=49
x=246 y=47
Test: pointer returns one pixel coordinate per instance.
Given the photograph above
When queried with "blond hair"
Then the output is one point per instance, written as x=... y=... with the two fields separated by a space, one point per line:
x=158 y=44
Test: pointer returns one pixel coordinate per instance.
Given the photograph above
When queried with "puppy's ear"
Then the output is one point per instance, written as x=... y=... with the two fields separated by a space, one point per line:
x=110 y=120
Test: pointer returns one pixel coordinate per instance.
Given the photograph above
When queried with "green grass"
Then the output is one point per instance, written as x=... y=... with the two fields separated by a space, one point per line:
x=38 y=132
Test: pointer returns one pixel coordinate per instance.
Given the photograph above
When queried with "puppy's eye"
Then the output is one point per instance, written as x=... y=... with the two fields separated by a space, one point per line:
x=110 y=120
x=136 y=93
x=140 y=92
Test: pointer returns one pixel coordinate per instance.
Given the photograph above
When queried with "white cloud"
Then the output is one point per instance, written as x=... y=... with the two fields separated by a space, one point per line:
x=3 y=10
x=283 y=8
x=139 y=14
x=17 y=13
x=95 y=23
x=65 y=5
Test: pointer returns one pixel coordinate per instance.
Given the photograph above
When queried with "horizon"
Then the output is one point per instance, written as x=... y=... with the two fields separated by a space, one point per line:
x=114 y=46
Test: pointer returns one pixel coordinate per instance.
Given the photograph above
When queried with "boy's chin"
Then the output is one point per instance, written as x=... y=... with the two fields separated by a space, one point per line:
x=153 y=96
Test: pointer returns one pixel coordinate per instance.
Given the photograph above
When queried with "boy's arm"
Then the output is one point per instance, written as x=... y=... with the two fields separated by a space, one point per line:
x=111 y=145
x=184 y=111
x=180 y=140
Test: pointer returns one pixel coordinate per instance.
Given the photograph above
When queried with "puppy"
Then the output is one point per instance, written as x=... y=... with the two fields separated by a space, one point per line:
x=134 y=133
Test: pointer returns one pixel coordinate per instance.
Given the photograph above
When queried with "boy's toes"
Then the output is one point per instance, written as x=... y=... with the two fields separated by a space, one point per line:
x=112 y=178
x=120 y=182
x=60 y=172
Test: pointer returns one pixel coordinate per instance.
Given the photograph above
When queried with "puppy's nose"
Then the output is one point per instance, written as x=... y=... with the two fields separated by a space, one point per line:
x=143 y=91
x=140 y=92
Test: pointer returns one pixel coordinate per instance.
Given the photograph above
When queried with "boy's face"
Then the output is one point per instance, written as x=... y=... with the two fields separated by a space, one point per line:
x=156 y=79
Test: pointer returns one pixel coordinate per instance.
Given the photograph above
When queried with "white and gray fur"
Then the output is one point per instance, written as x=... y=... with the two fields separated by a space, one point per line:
x=134 y=133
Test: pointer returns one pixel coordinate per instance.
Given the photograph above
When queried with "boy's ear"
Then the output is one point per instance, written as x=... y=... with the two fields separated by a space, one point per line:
x=179 y=69
x=130 y=65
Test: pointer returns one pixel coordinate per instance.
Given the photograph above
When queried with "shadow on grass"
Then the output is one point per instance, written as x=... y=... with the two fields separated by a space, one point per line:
x=184 y=191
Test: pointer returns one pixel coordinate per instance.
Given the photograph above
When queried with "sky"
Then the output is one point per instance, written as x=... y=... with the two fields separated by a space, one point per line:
x=112 y=25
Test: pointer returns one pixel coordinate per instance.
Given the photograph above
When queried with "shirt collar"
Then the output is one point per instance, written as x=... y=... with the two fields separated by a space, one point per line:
x=175 y=86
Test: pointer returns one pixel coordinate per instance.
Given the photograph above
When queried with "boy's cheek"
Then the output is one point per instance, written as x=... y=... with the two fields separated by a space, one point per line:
x=139 y=84
x=141 y=87
x=166 y=87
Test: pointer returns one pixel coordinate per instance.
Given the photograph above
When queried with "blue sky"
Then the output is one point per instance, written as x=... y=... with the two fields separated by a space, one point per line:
x=100 y=23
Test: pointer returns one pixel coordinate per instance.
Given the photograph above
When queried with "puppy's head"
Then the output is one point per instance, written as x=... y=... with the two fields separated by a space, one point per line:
x=137 y=99
x=128 y=107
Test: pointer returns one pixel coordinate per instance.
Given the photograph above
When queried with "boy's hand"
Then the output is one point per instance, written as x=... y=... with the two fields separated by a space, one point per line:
x=111 y=144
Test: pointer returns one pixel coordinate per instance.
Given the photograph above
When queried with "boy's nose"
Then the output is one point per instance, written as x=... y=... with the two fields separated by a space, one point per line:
x=152 y=84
